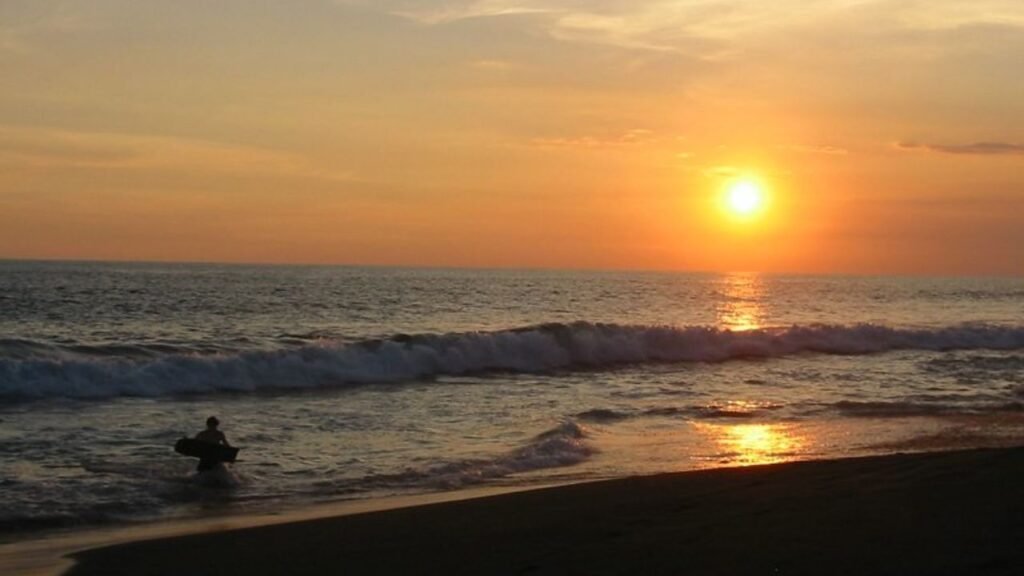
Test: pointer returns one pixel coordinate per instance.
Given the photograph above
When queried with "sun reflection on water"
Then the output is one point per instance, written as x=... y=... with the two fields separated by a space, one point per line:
x=741 y=302
x=750 y=444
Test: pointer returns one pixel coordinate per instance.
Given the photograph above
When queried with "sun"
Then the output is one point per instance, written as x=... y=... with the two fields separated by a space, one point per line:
x=744 y=198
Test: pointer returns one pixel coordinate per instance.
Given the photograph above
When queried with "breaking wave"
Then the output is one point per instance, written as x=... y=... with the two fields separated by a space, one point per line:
x=902 y=409
x=562 y=446
x=701 y=412
x=47 y=371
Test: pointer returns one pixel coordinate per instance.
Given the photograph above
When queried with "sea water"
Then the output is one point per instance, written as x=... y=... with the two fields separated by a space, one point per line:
x=347 y=382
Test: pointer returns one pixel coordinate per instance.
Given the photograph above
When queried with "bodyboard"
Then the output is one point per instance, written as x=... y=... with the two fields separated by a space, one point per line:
x=205 y=450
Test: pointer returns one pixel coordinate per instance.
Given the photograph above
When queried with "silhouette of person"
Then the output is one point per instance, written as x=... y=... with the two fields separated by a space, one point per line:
x=213 y=436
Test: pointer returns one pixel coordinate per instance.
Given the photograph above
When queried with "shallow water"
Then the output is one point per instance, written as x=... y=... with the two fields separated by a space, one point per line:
x=356 y=383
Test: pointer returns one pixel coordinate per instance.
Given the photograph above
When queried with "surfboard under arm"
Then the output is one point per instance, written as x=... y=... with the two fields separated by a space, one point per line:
x=200 y=449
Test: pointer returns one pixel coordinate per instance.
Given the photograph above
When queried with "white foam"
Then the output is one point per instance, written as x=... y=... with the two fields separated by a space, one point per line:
x=549 y=347
x=564 y=445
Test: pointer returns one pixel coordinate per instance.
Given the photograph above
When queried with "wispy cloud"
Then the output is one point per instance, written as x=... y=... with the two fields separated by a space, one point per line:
x=975 y=148
x=494 y=65
x=634 y=137
x=820 y=149
x=23 y=30
x=707 y=28
x=660 y=26
x=51 y=148
x=723 y=171
x=455 y=11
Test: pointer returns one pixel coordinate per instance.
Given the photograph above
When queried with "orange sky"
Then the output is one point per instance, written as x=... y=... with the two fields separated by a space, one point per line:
x=547 y=133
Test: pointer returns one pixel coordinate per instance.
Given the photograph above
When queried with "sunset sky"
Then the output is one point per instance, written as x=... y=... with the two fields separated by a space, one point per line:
x=887 y=136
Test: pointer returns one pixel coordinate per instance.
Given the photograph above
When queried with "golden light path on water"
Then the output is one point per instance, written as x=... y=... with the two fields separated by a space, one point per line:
x=750 y=444
x=741 y=306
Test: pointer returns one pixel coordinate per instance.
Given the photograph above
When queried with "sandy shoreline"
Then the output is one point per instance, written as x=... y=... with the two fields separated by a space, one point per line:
x=50 y=554
x=940 y=513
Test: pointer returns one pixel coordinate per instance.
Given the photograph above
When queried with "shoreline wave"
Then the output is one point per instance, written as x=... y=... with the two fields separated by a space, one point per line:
x=564 y=445
x=52 y=371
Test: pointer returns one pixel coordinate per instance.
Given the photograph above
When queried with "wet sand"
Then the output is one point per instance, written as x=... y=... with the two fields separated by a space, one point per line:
x=919 y=514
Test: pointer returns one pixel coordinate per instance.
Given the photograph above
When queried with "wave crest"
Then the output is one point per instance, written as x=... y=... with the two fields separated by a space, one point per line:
x=543 y=348
x=562 y=446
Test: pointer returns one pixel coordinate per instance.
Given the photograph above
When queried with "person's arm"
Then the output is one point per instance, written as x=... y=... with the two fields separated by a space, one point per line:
x=224 y=440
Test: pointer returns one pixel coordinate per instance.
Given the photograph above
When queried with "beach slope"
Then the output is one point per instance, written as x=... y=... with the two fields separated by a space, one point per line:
x=940 y=513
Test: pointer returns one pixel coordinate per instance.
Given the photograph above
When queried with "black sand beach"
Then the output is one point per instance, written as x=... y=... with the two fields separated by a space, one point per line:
x=939 y=513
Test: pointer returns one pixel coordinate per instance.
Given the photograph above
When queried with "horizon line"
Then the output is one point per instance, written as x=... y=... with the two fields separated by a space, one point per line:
x=991 y=275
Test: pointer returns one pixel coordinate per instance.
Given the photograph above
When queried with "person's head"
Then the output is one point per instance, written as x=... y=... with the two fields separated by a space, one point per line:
x=212 y=422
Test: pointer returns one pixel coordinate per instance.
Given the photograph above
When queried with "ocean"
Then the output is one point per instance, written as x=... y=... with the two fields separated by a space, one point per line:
x=353 y=383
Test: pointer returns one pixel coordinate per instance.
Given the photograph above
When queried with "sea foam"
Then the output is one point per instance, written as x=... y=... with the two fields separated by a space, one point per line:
x=535 y=349
x=562 y=446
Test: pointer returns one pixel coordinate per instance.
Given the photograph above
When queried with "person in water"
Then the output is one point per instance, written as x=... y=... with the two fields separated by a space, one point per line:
x=213 y=436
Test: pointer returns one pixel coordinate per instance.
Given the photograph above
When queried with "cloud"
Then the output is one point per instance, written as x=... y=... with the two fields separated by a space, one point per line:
x=456 y=11
x=51 y=148
x=976 y=148
x=714 y=29
x=634 y=137
x=660 y=26
x=26 y=26
x=820 y=149
x=494 y=65
x=724 y=171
